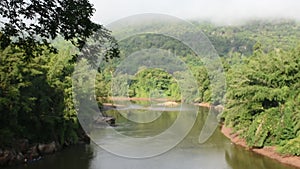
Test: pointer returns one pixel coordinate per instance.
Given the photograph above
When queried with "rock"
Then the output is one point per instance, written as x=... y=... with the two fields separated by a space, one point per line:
x=19 y=158
x=5 y=157
x=105 y=120
x=45 y=149
x=219 y=108
x=32 y=153
x=10 y=157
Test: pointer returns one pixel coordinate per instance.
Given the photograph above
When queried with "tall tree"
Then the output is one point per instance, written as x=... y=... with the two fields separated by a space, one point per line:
x=30 y=24
x=35 y=86
x=262 y=100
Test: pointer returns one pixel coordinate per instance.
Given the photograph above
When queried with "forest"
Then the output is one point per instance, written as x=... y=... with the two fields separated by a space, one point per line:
x=261 y=60
x=39 y=45
x=261 y=63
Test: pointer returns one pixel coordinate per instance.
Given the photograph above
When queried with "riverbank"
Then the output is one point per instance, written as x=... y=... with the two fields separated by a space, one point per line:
x=137 y=99
x=21 y=151
x=167 y=102
x=269 y=151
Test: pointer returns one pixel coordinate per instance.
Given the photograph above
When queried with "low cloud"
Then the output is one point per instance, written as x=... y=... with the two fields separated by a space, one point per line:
x=219 y=11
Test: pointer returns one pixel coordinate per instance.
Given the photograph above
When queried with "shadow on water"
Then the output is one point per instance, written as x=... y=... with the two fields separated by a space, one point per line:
x=75 y=157
x=238 y=158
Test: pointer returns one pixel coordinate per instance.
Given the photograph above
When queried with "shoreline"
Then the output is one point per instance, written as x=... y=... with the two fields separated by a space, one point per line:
x=268 y=151
x=201 y=104
x=10 y=157
x=23 y=152
x=136 y=99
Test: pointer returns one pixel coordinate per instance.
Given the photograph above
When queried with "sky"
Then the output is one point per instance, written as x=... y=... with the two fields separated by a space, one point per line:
x=218 y=11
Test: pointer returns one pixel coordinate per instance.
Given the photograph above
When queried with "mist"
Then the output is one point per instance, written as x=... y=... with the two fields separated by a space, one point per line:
x=217 y=11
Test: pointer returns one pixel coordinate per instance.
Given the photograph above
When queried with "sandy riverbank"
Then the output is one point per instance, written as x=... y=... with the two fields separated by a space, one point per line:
x=202 y=104
x=266 y=151
x=137 y=99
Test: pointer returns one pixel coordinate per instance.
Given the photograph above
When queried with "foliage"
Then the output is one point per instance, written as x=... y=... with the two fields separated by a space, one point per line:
x=146 y=41
x=261 y=61
x=32 y=24
x=154 y=83
x=36 y=97
x=292 y=147
x=272 y=34
x=262 y=98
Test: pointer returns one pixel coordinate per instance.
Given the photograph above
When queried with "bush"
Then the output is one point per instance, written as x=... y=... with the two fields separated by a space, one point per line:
x=292 y=147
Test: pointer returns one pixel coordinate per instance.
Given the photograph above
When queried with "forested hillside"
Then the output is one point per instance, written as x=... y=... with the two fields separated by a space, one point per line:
x=272 y=34
x=263 y=100
x=261 y=60
x=262 y=63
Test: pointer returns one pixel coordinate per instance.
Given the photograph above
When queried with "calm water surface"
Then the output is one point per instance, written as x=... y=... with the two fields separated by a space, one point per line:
x=216 y=153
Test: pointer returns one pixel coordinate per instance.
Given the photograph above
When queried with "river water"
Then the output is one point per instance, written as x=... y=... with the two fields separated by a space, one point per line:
x=216 y=153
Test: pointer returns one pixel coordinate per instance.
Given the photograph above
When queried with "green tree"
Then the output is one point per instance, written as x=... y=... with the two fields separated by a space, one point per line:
x=261 y=96
x=31 y=24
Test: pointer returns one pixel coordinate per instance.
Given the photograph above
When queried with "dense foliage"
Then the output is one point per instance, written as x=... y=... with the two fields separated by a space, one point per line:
x=272 y=34
x=262 y=98
x=261 y=60
x=154 y=83
x=35 y=99
x=178 y=68
x=31 y=24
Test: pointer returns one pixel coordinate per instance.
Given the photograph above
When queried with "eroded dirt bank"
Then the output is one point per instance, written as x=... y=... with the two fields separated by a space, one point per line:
x=266 y=151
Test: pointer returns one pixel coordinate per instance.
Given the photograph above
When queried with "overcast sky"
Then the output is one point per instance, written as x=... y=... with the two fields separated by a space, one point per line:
x=222 y=11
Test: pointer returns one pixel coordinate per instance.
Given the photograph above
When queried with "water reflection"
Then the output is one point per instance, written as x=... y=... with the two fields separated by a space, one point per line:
x=238 y=158
x=216 y=153
x=144 y=140
x=75 y=157
x=189 y=153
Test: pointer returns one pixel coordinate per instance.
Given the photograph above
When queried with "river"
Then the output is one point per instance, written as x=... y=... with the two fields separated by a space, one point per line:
x=216 y=153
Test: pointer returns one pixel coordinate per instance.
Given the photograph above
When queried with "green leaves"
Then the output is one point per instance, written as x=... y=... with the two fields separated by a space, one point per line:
x=262 y=128
x=291 y=147
x=154 y=83
x=263 y=100
x=35 y=97
x=31 y=24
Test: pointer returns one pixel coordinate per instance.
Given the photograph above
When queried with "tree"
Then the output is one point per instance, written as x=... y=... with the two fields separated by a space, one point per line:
x=31 y=24
x=262 y=102
x=35 y=86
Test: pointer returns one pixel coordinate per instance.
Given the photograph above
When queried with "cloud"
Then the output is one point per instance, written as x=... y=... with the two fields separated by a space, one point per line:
x=225 y=11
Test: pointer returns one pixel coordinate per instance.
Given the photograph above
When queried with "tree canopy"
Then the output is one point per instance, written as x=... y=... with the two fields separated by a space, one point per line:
x=263 y=98
x=31 y=24
x=36 y=64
